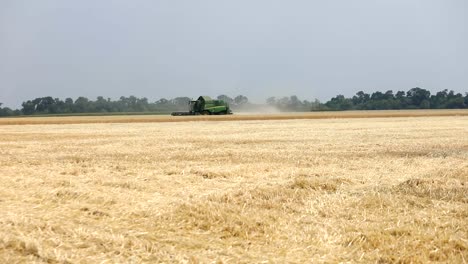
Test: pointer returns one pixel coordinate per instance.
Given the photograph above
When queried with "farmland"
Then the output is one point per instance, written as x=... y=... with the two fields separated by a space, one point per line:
x=321 y=187
x=237 y=117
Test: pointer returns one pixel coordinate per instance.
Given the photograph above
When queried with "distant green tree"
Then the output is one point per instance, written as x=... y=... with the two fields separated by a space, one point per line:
x=376 y=96
x=101 y=104
x=67 y=106
x=439 y=100
x=315 y=105
x=28 y=107
x=455 y=100
x=418 y=96
x=425 y=104
x=295 y=104
x=81 y=105
x=388 y=95
x=44 y=105
x=400 y=95
x=225 y=98
x=162 y=101
x=181 y=101
x=360 y=98
x=241 y=100
x=271 y=100
x=142 y=105
x=6 y=111
x=339 y=102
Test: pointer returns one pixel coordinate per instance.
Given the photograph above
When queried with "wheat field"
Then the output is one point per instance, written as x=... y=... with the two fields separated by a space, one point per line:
x=246 y=116
x=335 y=190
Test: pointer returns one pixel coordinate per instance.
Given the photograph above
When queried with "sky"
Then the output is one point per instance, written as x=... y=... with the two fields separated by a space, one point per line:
x=258 y=48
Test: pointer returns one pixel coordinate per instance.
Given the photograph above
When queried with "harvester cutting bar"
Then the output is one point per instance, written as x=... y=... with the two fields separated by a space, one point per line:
x=182 y=113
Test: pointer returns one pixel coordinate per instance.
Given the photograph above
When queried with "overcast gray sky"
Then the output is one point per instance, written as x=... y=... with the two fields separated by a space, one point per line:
x=259 y=48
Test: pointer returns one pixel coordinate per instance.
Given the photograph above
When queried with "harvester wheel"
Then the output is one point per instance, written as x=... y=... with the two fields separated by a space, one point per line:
x=206 y=112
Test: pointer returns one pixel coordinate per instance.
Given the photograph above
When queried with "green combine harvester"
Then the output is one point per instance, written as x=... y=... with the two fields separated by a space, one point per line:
x=204 y=105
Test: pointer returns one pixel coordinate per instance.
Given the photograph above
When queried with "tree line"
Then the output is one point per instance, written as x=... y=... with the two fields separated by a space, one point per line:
x=49 y=105
x=415 y=98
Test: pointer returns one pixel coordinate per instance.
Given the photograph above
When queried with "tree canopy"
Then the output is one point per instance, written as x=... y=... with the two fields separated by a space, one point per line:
x=415 y=98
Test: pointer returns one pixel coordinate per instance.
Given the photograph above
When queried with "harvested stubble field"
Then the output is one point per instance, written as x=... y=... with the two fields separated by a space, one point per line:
x=323 y=190
x=48 y=120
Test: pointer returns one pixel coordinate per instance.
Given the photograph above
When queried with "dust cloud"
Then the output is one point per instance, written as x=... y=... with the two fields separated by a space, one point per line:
x=257 y=109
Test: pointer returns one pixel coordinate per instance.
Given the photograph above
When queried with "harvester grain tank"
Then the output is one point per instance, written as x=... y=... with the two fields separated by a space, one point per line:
x=204 y=105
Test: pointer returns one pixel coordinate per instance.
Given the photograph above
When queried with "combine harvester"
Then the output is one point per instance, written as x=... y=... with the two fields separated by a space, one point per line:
x=204 y=105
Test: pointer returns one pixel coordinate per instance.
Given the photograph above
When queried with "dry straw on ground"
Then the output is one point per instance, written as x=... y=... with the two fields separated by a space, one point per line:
x=236 y=117
x=330 y=190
